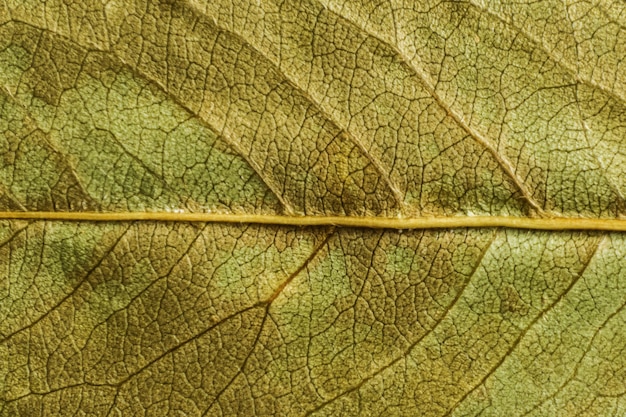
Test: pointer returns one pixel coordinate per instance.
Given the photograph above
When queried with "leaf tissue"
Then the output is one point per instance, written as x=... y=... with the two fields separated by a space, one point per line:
x=312 y=208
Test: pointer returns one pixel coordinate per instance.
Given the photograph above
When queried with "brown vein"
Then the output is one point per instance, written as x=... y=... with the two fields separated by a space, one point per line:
x=506 y=165
x=540 y=45
x=384 y=173
x=517 y=341
x=267 y=304
x=611 y=182
x=47 y=143
x=13 y=235
x=72 y=291
x=408 y=350
x=574 y=375
x=229 y=142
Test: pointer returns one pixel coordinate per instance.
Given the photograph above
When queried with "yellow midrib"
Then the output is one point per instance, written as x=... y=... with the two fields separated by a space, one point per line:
x=367 y=222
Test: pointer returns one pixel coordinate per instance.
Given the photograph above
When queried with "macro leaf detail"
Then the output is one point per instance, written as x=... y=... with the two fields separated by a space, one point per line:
x=312 y=109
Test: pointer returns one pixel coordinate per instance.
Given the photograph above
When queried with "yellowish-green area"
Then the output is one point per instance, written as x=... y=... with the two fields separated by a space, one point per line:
x=127 y=145
x=316 y=129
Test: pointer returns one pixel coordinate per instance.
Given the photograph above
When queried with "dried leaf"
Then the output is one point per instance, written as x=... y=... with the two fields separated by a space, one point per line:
x=321 y=108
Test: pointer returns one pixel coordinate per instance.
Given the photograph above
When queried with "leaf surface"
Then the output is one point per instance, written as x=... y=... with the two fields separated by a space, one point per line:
x=321 y=108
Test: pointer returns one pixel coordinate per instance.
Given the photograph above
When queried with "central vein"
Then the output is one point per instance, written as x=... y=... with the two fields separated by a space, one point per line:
x=346 y=221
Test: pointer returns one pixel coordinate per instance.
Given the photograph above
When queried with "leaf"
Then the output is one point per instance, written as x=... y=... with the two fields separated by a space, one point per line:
x=383 y=113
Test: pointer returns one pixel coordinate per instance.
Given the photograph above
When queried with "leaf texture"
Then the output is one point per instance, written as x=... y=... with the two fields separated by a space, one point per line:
x=370 y=109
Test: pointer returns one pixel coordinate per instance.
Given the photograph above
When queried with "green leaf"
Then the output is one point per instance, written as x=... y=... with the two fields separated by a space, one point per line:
x=271 y=115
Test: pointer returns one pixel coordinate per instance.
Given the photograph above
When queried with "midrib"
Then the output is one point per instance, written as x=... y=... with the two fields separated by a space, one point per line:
x=345 y=221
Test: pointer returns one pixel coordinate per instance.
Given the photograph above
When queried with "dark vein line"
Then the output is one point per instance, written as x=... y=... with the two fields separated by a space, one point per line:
x=611 y=182
x=47 y=140
x=55 y=390
x=291 y=82
x=408 y=350
x=119 y=384
x=137 y=296
x=264 y=304
x=579 y=362
x=14 y=235
x=110 y=250
x=154 y=82
x=305 y=264
x=80 y=282
x=244 y=363
x=267 y=304
x=206 y=124
x=540 y=45
x=522 y=334
x=504 y=163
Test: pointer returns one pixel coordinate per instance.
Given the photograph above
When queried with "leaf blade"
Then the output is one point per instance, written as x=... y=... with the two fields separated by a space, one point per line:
x=205 y=208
